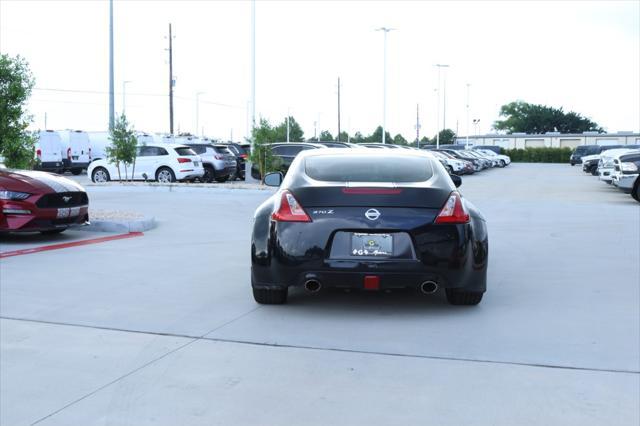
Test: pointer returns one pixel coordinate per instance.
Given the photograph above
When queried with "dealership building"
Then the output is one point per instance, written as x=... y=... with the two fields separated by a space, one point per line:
x=552 y=139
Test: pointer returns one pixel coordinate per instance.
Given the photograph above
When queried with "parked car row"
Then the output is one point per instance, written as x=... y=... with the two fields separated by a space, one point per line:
x=455 y=161
x=617 y=165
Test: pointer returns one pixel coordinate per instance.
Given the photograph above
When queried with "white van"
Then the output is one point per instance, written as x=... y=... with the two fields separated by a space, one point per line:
x=49 y=151
x=76 y=151
x=98 y=142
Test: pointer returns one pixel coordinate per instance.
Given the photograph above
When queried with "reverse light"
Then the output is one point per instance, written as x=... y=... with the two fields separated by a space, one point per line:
x=289 y=210
x=453 y=211
x=184 y=160
x=13 y=195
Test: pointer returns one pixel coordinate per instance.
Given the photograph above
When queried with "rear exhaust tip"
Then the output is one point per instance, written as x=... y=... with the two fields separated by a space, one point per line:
x=312 y=286
x=428 y=287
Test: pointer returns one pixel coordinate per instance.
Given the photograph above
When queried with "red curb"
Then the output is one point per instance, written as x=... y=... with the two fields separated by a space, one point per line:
x=71 y=244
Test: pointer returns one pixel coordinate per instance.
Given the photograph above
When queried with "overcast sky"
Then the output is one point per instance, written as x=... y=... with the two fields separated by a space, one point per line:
x=582 y=56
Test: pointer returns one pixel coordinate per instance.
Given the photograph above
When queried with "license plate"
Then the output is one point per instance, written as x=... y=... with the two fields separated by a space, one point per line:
x=371 y=244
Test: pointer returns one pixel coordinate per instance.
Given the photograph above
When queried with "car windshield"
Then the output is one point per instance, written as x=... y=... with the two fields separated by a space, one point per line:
x=184 y=151
x=365 y=168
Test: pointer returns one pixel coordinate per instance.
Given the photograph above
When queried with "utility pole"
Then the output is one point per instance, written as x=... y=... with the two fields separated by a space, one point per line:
x=384 y=84
x=418 y=125
x=112 y=112
x=440 y=66
x=467 y=142
x=338 y=137
x=171 y=82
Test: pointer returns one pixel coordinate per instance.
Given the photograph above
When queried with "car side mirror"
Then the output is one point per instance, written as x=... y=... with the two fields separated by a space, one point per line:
x=273 y=179
x=457 y=180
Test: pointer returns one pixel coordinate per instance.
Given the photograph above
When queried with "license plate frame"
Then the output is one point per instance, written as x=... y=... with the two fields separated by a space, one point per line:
x=371 y=245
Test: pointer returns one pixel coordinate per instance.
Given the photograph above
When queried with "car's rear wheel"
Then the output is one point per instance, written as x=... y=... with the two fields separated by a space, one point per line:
x=461 y=297
x=100 y=175
x=267 y=296
x=53 y=231
x=503 y=164
x=208 y=174
x=165 y=175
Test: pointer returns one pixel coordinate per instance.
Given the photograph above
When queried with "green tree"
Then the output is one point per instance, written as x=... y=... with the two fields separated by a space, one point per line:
x=426 y=141
x=16 y=84
x=447 y=136
x=295 y=131
x=326 y=136
x=261 y=155
x=376 y=136
x=123 y=147
x=343 y=137
x=523 y=117
x=357 y=138
x=399 y=140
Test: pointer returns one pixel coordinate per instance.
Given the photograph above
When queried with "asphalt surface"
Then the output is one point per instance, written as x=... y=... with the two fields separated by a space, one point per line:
x=162 y=328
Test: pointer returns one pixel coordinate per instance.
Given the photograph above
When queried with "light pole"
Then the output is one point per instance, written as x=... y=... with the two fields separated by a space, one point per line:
x=111 y=87
x=198 y=112
x=124 y=93
x=384 y=84
x=476 y=126
x=440 y=66
x=467 y=142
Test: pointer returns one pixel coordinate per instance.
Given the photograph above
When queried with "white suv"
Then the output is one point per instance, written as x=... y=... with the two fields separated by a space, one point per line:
x=162 y=162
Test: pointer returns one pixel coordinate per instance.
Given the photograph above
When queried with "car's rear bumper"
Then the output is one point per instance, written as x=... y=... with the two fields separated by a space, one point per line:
x=189 y=173
x=50 y=166
x=76 y=165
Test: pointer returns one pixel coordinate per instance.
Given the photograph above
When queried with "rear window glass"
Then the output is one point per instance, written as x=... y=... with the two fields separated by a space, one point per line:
x=199 y=149
x=221 y=149
x=185 y=151
x=334 y=168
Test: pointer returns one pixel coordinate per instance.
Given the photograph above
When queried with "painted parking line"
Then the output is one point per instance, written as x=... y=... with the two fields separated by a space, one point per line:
x=70 y=244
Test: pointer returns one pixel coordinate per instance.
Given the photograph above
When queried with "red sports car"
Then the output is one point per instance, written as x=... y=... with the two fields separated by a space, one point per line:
x=39 y=201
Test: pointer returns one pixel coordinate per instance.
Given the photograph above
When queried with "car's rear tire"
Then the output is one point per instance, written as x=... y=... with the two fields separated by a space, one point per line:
x=165 y=175
x=461 y=297
x=208 y=174
x=53 y=231
x=267 y=296
x=100 y=175
x=222 y=179
x=503 y=164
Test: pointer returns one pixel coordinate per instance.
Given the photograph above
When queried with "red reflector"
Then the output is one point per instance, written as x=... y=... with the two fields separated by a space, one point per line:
x=184 y=160
x=453 y=211
x=371 y=191
x=372 y=282
x=289 y=210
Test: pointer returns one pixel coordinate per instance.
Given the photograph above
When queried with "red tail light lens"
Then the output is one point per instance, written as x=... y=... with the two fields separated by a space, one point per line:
x=68 y=153
x=453 y=211
x=184 y=160
x=289 y=210
x=39 y=153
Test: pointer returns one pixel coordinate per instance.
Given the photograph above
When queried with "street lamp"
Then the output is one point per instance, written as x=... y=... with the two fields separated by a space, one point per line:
x=384 y=90
x=124 y=92
x=476 y=125
x=197 y=112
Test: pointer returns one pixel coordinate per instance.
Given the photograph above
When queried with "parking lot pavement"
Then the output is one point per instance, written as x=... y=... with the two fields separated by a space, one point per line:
x=162 y=329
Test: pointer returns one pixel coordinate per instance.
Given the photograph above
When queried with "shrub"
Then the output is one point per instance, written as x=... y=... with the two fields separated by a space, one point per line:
x=538 y=155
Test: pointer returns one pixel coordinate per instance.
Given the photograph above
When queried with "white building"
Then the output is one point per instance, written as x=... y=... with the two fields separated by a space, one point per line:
x=552 y=139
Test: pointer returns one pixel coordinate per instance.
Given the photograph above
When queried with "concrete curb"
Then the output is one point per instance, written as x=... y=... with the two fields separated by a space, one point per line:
x=139 y=225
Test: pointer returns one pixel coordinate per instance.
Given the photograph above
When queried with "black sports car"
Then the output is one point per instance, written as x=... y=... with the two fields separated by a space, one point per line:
x=368 y=219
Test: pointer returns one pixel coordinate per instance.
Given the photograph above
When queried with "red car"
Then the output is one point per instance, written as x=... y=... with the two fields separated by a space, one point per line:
x=39 y=201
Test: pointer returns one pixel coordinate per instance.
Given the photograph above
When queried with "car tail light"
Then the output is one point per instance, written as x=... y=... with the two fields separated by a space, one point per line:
x=184 y=160
x=453 y=211
x=68 y=153
x=243 y=156
x=39 y=153
x=219 y=157
x=289 y=210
